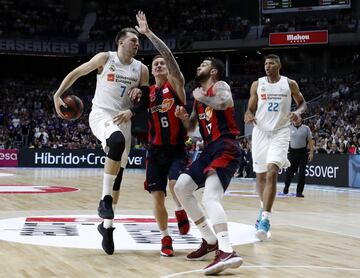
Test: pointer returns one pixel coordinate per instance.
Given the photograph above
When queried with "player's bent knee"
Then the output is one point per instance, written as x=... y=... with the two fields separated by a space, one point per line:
x=116 y=144
x=183 y=185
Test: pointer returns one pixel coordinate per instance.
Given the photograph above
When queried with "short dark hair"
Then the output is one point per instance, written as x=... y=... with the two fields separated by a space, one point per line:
x=156 y=56
x=273 y=57
x=123 y=32
x=218 y=64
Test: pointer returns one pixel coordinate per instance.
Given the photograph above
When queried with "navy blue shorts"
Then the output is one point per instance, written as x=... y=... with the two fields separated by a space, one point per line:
x=163 y=164
x=223 y=156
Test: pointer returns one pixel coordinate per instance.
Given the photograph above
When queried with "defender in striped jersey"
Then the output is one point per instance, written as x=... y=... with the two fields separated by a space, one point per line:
x=213 y=111
x=166 y=156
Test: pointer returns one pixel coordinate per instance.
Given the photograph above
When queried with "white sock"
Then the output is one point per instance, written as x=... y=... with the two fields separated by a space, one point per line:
x=262 y=204
x=108 y=223
x=224 y=242
x=265 y=215
x=206 y=232
x=164 y=233
x=108 y=182
x=178 y=207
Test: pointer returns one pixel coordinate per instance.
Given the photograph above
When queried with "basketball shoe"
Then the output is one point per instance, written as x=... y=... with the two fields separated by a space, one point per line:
x=201 y=253
x=223 y=261
x=263 y=230
x=107 y=241
x=105 y=209
x=258 y=219
x=183 y=221
x=166 y=247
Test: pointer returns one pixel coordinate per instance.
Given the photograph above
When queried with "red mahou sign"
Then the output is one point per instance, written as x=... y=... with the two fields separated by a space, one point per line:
x=298 y=38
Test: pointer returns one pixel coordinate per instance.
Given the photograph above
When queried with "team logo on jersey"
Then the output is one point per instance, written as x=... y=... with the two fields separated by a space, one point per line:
x=167 y=104
x=112 y=67
x=111 y=77
x=166 y=90
x=263 y=96
x=262 y=89
x=164 y=106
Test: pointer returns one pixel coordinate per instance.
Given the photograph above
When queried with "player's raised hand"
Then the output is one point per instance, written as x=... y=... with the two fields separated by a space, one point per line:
x=142 y=26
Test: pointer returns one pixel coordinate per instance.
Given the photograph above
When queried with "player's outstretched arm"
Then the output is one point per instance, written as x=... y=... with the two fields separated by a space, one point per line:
x=95 y=62
x=175 y=77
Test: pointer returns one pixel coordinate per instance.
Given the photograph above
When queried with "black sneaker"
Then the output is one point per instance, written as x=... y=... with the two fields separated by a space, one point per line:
x=300 y=195
x=107 y=241
x=286 y=190
x=105 y=209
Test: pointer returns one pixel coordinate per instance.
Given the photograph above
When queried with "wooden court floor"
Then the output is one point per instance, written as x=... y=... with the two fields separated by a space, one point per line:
x=318 y=236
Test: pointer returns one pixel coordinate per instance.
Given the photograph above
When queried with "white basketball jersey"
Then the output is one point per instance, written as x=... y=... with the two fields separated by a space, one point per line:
x=114 y=82
x=274 y=104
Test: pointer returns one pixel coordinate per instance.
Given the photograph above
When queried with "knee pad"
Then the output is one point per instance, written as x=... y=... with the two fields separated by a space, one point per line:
x=116 y=144
x=117 y=182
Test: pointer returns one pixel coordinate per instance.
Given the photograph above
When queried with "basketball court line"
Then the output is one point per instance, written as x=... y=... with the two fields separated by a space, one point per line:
x=271 y=266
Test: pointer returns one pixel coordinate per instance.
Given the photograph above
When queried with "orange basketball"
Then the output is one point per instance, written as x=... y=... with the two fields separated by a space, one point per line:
x=75 y=107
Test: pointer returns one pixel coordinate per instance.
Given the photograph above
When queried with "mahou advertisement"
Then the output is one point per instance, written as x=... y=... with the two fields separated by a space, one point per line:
x=8 y=158
x=298 y=38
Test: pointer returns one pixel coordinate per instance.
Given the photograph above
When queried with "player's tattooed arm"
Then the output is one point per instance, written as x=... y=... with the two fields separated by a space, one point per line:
x=219 y=99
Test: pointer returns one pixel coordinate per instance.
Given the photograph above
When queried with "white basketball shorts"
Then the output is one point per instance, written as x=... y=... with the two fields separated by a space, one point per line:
x=102 y=126
x=270 y=147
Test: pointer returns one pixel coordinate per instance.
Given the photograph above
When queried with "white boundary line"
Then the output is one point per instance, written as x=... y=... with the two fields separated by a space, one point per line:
x=272 y=266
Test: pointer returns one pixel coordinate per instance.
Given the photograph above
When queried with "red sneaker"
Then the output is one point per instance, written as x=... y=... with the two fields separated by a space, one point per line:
x=203 y=251
x=223 y=261
x=183 y=222
x=166 y=247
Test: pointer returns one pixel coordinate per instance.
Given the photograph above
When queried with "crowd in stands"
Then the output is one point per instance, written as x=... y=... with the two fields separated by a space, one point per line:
x=335 y=24
x=194 y=21
x=186 y=20
x=36 y=19
x=28 y=118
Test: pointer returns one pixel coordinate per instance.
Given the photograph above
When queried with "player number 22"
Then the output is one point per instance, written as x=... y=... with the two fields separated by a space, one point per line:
x=273 y=106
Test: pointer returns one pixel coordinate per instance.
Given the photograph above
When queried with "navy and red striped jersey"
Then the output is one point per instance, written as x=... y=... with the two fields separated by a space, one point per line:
x=215 y=123
x=164 y=127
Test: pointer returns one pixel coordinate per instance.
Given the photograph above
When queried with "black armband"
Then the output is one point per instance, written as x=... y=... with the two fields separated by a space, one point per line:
x=143 y=102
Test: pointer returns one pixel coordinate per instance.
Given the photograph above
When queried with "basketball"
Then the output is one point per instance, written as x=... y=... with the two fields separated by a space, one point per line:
x=75 y=107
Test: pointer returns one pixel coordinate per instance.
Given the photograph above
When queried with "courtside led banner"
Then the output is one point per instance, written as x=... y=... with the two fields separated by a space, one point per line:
x=298 y=38
x=8 y=158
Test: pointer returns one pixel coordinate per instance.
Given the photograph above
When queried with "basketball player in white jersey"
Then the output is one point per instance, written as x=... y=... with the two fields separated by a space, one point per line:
x=118 y=74
x=269 y=108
